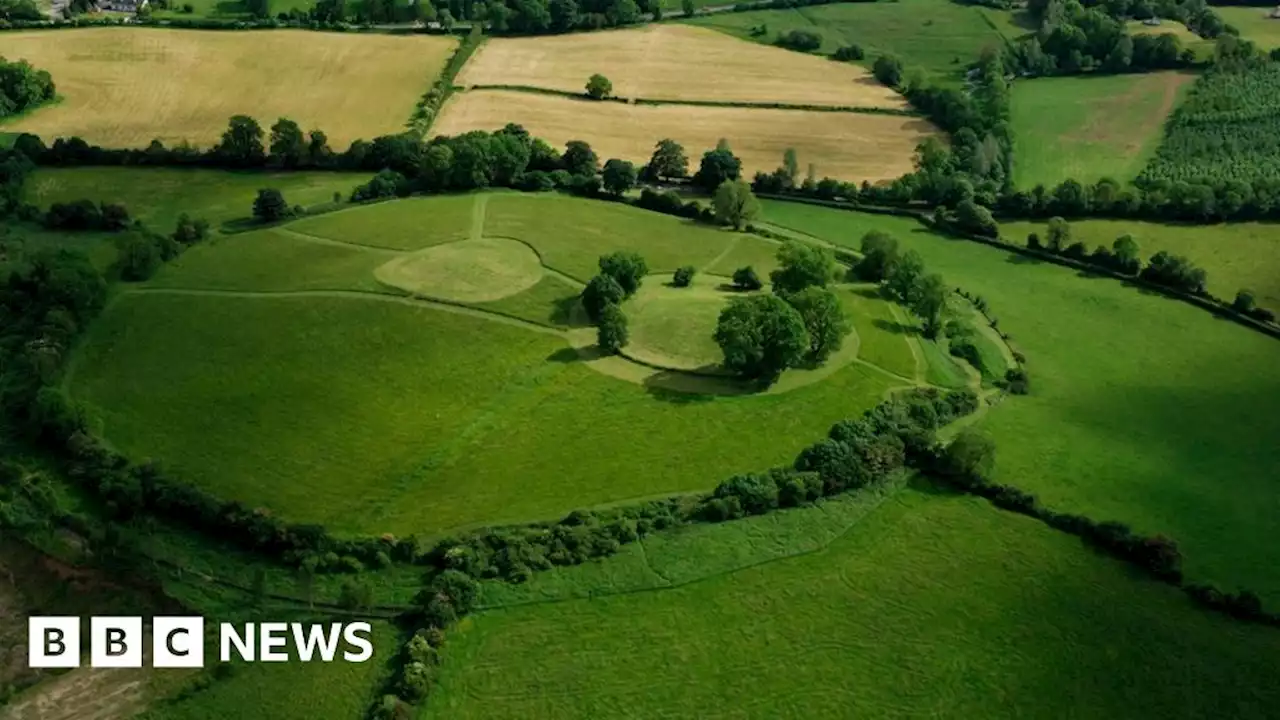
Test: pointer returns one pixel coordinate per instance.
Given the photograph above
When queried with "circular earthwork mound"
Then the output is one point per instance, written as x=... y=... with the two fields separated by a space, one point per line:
x=480 y=270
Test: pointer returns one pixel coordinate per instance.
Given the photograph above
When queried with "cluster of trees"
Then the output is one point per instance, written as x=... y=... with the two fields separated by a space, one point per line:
x=802 y=322
x=449 y=595
x=903 y=278
x=1076 y=39
x=1173 y=271
x=20 y=11
x=619 y=278
x=424 y=113
x=87 y=215
x=22 y=87
x=800 y=40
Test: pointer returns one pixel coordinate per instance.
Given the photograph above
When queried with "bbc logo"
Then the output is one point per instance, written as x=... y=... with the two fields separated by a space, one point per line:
x=178 y=642
x=115 y=642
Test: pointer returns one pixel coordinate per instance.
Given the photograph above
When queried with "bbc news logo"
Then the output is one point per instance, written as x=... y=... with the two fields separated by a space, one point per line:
x=179 y=642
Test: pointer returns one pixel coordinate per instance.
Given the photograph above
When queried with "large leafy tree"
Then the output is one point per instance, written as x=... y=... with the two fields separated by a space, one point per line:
x=902 y=279
x=270 y=205
x=619 y=176
x=580 y=159
x=879 y=256
x=761 y=336
x=735 y=204
x=928 y=299
x=801 y=265
x=717 y=166
x=824 y=320
x=288 y=147
x=601 y=291
x=241 y=142
x=668 y=160
x=627 y=268
x=611 y=333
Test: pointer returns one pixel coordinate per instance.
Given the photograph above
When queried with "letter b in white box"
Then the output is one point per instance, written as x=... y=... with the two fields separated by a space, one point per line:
x=53 y=642
x=115 y=642
x=177 y=642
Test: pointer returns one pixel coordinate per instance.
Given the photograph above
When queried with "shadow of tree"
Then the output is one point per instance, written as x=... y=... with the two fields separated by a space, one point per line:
x=568 y=311
x=895 y=327
x=565 y=355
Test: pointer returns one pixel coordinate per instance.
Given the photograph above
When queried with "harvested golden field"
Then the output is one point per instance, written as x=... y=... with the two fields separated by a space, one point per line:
x=849 y=146
x=676 y=62
x=123 y=87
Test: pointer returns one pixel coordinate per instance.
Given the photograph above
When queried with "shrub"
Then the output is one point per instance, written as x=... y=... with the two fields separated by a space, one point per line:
x=599 y=87
x=849 y=52
x=683 y=276
x=627 y=268
x=1016 y=381
x=270 y=206
x=601 y=291
x=756 y=494
x=802 y=40
x=746 y=279
x=1244 y=301
x=611 y=334
x=969 y=457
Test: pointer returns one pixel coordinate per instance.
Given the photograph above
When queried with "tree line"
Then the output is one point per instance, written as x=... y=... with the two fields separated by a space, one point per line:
x=1075 y=39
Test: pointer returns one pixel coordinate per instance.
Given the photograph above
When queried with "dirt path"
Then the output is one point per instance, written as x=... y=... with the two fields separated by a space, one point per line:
x=733 y=245
x=317 y=239
x=355 y=295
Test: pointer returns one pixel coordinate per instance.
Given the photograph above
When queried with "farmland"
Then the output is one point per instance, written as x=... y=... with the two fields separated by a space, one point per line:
x=1235 y=255
x=651 y=63
x=850 y=146
x=1088 y=128
x=1254 y=24
x=875 y=623
x=1118 y=374
x=157 y=196
x=124 y=88
x=940 y=38
x=394 y=399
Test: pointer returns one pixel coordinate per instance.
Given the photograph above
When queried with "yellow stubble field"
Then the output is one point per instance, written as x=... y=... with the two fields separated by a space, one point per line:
x=123 y=87
x=676 y=62
x=848 y=146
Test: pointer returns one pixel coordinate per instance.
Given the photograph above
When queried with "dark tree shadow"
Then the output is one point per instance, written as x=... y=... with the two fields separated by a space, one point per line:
x=869 y=293
x=565 y=355
x=568 y=311
x=1020 y=259
x=895 y=327
x=659 y=391
x=929 y=486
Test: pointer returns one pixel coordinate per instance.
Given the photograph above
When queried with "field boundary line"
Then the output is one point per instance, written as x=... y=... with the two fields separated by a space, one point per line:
x=411 y=300
x=884 y=493
x=656 y=102
x=542 y=260
x=733 y=245
x=321 y=240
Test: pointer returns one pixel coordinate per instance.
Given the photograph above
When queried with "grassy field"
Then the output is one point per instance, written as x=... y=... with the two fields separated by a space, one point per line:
x=410 y=224
x=849 y=146
x=940 y=38
x=372 y=413
x=1142 y=409
x=479 y=270
x=1254 y=24
x=674 y=327
x=157 y=196
x=21 y=240
x=652 y=62
x=1088 y=128
x=928 y=606
x=226 y=9
x=125 y=87
x=292 y=690
x=1235 y=255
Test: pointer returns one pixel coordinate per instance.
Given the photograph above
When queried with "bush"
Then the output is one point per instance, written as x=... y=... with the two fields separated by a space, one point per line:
x=683 y=276
x=756 y=494
x=599 y=87
x=849 y=53
x=1244 y=301
x=601 y=291
x=746 y=279
x=802 y=40
x=611 y=334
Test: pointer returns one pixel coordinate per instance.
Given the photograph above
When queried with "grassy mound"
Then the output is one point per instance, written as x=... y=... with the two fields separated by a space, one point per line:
x=930 y=605
x=1142 y=409
x=481 y=270
x=673 y=327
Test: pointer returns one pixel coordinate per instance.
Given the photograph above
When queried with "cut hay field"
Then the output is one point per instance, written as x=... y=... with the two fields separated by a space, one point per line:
x=157 y=196
x=1142 y=409
x=123 y=87
x=274 y=368
x=927 y=606
x=1254 y=24
x=849 y=146
x=1235 y=255
x=653 y=62
x=937 y=36
x=1088 y=128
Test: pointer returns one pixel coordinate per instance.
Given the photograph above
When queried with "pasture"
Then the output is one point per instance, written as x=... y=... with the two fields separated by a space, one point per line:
x=1088 y=128
x=1142 y=409
x=877 y=619
x=373 y=412
x=1254 y=24
x=1235 y=255
x=124 y=87
x=291 y=690
x=157 y=196
x=652 y=62
x=941 y=38
x=849 y=146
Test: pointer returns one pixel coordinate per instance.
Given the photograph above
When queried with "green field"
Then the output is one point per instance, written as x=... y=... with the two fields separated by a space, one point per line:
x=930 y=606
x=1088 y=128
x=1254 y=24
x=291 y=690
x=1235 y=255
x=1142 y=409
x=939 y=37
x=273 y=368
x=225 y=9
x=157 y=196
